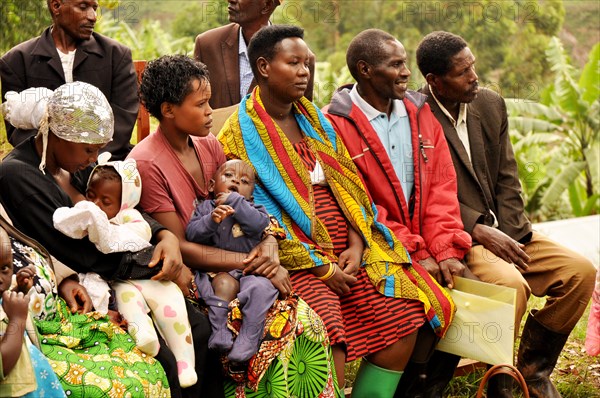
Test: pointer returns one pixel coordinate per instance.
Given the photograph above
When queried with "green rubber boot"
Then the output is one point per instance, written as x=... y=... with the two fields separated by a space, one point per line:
x=375 y=382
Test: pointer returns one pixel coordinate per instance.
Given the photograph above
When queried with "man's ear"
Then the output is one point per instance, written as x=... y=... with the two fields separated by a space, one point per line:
x=269 y=7
x=432 y=79
x=364 y=69
x=262 y=65
x=54 y=7
x=166 y=109
x=211 y=185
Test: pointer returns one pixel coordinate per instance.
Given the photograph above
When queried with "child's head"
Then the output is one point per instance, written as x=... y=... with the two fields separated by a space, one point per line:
x=176 y=89
x=6 y=262
x=114 y=186
x=104 y=189
x=233 y=176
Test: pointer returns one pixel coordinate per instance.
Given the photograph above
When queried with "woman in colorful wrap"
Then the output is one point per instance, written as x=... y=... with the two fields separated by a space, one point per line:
x=372 y=307
x=176 y=163
x=50 y=171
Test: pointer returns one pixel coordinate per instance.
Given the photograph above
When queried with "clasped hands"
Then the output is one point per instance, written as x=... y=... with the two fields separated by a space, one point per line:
x=221 y=211
x=263 y=259
x=341 y=275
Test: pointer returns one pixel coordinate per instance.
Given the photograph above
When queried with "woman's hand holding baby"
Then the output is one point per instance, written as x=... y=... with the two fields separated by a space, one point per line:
x=75 y=295
x=167 y=250
x=263 y=259
x=282 y=282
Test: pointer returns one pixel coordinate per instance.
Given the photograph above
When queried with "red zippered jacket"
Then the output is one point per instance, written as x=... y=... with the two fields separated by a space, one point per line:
x=433 y=226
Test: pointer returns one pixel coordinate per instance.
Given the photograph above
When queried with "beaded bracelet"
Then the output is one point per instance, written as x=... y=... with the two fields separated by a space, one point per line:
x=329 y=274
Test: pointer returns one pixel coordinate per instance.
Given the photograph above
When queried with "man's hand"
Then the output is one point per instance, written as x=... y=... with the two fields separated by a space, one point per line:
x=433 y=268
x=451 y=267
x=501 y=245
x=263 y=260
x=167 y=250
x=221 y=212
x=75 y=295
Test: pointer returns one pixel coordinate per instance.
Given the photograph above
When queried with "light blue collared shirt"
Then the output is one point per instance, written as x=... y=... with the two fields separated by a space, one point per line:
x=395 y=135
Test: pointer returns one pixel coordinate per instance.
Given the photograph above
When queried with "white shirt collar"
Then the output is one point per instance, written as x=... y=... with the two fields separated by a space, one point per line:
x=242 y=47
x=462 y=112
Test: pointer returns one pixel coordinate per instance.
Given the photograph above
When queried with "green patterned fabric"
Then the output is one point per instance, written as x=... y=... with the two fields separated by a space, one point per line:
x=91 y=356
x=302 y=369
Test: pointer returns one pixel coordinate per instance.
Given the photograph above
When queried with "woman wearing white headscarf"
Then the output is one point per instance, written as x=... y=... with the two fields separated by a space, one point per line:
x=51 y=170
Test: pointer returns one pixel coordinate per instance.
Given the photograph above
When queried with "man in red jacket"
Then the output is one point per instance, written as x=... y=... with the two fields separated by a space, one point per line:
x=403 y=158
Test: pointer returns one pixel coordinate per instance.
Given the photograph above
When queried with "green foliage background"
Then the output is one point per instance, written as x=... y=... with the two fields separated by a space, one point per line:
x=509 y=37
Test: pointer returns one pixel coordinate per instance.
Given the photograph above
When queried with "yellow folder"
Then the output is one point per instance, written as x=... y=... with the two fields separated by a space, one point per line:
x=483 y=328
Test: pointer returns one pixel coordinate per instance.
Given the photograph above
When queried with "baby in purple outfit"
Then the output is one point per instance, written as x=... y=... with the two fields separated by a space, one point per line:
x=232 y=221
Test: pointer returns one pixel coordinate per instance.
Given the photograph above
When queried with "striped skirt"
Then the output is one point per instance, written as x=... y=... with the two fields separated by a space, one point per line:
x=363 y=320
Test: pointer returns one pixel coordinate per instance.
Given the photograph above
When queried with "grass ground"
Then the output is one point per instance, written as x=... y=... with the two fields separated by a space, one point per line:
x=577 y=375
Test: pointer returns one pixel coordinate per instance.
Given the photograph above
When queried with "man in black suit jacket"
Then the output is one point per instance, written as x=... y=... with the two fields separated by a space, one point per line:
x=70 y=50
x=506 y=251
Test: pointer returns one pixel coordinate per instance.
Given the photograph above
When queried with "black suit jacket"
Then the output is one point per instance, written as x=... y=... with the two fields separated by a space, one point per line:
x=100 y=61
